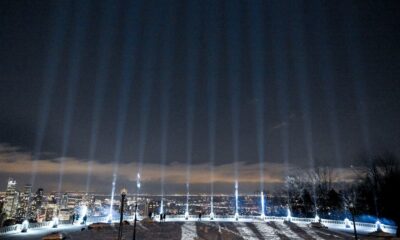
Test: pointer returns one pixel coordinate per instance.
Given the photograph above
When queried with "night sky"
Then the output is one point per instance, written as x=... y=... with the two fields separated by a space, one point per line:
x=287 y=83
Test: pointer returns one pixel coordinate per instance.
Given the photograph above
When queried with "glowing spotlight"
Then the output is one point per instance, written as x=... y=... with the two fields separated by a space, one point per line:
x=347 y=222
x=236 y=201
x=212 y=216
x=109 y=218
x=82 y=213
x=186 y=215
x=317 y=218
x=162 y=206
x=289 y=215
x=25 y=226
x=378 y=225
x=55 y=222
x=262 y=206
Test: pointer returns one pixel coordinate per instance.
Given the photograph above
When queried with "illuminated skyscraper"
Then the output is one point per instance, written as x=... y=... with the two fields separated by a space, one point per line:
x=11 y=200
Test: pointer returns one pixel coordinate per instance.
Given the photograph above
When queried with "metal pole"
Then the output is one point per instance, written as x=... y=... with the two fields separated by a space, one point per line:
x=121 y=216
x=136 y=205
x=134 y=223
x=354 y=224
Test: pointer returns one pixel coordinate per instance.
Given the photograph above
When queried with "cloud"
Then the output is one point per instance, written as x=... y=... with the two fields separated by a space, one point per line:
x=175 y=173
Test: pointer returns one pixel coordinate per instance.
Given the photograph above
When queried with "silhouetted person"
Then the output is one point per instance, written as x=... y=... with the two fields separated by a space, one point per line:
x=161 y=217
x=199 y=216
x=150 y=213
x=84 y=219
x=73 y=218
x=164 y=217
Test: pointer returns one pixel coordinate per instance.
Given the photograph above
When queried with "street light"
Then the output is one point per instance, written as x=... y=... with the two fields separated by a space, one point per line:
x=138 y=185
x=353 y=211
x=123 y=195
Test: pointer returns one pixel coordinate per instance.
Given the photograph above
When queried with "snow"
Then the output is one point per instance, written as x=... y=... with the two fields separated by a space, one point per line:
x=286 y=230
x=189 y=231
x=310 y=232
x=176 y=228
x=245 y=232
x=267 y=231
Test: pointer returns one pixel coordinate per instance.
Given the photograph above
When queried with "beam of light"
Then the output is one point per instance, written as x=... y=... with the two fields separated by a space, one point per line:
x=166 y=78
x=128 y=59
x=328 y=80
x=147 y=77
x=82 y=213
x=281 y=78
x=234 y=63
x=138 y=186
x=300 y=69
x=80 y=28
x=236 y=199
x=108 y=20
x=192 y=59
x=56 y=44
x=262 y=205
x=257 y=69
x=357 y=71
x=212 y=76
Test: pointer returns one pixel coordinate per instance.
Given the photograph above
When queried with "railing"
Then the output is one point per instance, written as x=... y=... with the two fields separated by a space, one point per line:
x=333 y=224
x=12 y=228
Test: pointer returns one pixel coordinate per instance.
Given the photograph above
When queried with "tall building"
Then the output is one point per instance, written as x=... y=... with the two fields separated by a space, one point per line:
x=64 y=201
x=25 y=198
x=11 y=200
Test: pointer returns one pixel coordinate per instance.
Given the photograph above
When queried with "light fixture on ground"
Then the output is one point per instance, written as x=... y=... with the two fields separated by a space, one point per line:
x=289 y=215
x=262 y=206
x=162 y=206
x=186 y=214
x=109 y=218
x=378 y=226
x=82 y=214
x=212 y=207
x=347 y=222
x=236 y=201
x=55 y=222
x=187 y=202
x=25 y=226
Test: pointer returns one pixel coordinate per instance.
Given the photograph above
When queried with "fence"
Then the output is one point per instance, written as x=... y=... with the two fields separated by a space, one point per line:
x=332 y=224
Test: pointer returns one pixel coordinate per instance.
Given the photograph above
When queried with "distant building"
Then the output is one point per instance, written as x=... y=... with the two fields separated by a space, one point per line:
x=23 y=210
x=64 y=201
x=11 y=199
x=38 y=205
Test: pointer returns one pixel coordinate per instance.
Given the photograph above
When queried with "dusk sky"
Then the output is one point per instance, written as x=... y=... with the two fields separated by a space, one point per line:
x=147 y=83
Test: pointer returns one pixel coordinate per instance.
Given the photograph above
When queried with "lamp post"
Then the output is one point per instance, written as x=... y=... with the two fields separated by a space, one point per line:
x=123 y=195
x=353 y=211
x=136 y=205
x=134 y=223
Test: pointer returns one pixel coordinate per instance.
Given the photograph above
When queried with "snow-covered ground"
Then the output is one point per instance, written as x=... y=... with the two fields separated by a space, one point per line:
x=194 y=230
x=189 y=231
x=245 y=231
